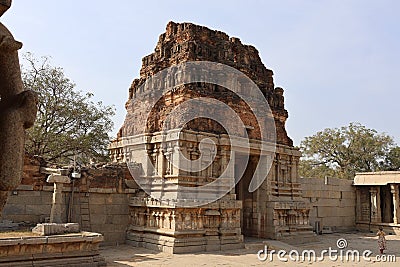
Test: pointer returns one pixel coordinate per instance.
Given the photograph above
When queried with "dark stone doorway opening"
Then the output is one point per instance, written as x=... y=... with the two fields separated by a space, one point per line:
x=386 y=204
x=248 y=218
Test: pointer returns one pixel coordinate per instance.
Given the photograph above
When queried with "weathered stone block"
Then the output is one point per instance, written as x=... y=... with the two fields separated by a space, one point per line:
x=14 y=209
x=120 y=199
x=25 y=187
x=326 y=202
x=121 y=220
x=349 y=195
x=117 y=209
x=99 y=219
x=55 y=228
x=97 y=199
x=29 y=193
x=56 y=178
x=334 y=194
x=329 y=212
x=114 y=238
x=38 y=209
x=97 y=209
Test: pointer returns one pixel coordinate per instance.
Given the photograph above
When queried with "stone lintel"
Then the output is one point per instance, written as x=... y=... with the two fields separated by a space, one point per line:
x=57 y=178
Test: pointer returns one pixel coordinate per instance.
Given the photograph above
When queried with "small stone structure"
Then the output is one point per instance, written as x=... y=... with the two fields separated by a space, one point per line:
x=60 y=244
x=378 y=201
x=56 y=225
x=100 y=202
x=17 y=111
x=58 y=206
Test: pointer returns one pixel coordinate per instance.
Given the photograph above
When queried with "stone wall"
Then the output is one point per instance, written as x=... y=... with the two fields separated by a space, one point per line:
x=109 y=214
x=332 y=201
x=108 y=210
x=100 y=202
x=26 y=205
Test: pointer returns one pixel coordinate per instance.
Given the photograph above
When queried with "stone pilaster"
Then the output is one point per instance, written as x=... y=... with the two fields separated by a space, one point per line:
x=394 y=189
x=358 y=205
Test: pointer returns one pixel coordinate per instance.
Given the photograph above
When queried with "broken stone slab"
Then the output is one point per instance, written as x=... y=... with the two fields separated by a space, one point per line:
x=56 y=228
x=57 y=178
x=47 y=170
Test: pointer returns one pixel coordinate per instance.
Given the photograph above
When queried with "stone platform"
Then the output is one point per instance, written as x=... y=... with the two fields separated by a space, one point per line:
x=181 y=244
x=79 y=249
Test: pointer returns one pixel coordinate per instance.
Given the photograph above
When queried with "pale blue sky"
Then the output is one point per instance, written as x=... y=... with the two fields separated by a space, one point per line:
x=338 y=61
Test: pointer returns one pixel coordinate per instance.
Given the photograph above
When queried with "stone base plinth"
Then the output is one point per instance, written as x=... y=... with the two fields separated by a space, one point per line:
x=176 y=245
x=56 y=228
x=79 y=249
x=388 y=228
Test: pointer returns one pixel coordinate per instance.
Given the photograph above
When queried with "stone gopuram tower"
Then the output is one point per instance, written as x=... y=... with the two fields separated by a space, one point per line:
x=167 y=218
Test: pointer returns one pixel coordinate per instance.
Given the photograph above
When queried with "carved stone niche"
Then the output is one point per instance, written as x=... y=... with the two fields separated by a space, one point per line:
x=212 y=220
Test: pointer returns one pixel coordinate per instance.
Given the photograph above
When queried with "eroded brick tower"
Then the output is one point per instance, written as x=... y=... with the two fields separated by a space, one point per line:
x=274 y=210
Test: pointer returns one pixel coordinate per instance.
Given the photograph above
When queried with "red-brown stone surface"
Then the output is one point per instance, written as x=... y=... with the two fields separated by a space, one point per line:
x=108 y=176
x=183 y=42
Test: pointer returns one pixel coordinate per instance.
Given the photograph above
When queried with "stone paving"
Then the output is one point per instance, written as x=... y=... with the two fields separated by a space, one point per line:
x=126 y=255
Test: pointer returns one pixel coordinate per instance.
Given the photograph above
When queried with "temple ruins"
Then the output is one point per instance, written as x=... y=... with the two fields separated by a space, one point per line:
x=275 y=210
x=177 y=183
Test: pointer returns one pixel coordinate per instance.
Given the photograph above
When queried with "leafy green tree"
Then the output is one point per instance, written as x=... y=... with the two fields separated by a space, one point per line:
x=392 y=160
x=313 y=169
x=342 y=152
x=68 y=121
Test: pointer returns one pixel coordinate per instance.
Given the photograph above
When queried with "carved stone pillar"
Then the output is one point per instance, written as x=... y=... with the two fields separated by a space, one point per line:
x=375 y=204
x=294 y=168
x=278 y=170
x=156 y=161
x=358 y=205
x=57 y=208
x=394 y=189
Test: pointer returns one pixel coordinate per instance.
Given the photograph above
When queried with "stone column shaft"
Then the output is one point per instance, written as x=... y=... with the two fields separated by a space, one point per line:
x=375 y=204
x=394 y=188
x=358 y=204
x=57 y=208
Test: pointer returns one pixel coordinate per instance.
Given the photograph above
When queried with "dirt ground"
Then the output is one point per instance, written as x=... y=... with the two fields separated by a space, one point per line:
x=126 y=255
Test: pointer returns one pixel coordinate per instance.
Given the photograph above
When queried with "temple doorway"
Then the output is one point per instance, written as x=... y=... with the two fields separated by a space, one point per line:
x=386 y=204
x=249 y=201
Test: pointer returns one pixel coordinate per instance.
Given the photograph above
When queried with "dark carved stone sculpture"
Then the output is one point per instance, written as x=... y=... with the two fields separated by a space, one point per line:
x=17 y=111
